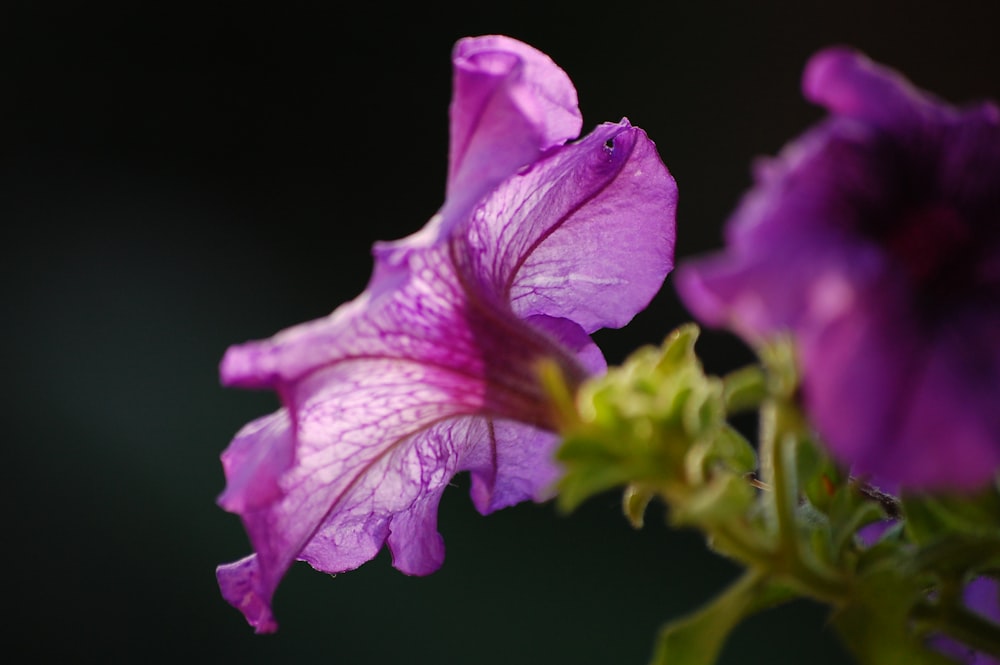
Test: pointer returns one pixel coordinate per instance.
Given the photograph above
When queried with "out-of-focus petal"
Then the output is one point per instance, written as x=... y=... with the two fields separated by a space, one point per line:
x=873 y=240
x=849 y=84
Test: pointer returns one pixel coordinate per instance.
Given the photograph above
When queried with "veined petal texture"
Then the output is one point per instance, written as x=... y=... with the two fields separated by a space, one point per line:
x=434 y=369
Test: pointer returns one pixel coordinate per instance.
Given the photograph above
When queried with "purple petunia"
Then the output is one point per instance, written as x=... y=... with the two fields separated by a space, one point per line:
x=434 y=368
x=874 y=239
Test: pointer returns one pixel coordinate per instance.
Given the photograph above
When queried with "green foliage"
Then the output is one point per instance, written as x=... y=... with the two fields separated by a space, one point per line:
x=697 y=639
x=657 y=422
x=658 y=425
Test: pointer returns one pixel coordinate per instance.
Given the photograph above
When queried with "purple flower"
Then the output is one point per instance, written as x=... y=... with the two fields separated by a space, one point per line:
x=874 y=239
x=433 y=369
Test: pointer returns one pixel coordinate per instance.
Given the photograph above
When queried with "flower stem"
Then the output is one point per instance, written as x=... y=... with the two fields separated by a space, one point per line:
x=957 y=622
x=780 y=429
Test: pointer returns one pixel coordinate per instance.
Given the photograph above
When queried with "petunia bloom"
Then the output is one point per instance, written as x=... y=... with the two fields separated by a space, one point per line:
x=432 y=370
x=874 y=240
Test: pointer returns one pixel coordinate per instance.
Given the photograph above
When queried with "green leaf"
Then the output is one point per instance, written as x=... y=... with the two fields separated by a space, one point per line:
x=698 y=638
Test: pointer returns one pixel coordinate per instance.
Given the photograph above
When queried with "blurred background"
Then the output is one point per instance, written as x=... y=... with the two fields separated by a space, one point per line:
x=174 y=179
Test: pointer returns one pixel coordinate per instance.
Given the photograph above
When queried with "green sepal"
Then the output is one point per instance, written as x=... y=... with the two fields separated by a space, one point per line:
x=678 y=348
x=725 y=448
x=745 y=389
x=592 y=466
x=635 y=500
x=876 y=624
x=657 y=421
x=724 y=497
x=697 y=639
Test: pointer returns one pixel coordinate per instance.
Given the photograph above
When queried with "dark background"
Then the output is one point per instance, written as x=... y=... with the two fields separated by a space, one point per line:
x=174 y=179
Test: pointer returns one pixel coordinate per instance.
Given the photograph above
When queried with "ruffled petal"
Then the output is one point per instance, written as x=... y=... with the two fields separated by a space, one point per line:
x=361 y=455
x=432 y=369
x=394 y=502
x=510 y=103
x=241 y=587
x=254 y=462
x=849 y=84
x=409 y=312
x=587 y=234
x=375 y=444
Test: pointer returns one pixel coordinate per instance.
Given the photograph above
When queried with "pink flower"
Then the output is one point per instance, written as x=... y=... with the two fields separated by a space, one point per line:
x=433 y=369
x=874 y=239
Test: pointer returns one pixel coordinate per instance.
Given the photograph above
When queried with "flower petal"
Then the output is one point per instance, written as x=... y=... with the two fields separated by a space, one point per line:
x=432 y=369
x=254 y=462
x=849 y=84
x=798 y=220
x=521 y=467
x=518 y=464
x=361 y=456
x=587 y=234
x=373 y=394
x=240 y=585
x=510 y=103
x=873 y=240
x=409 y=312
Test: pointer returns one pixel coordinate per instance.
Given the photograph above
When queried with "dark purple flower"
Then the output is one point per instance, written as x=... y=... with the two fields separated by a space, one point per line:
x=433 y=369
x=981 y=596
x=874 y=239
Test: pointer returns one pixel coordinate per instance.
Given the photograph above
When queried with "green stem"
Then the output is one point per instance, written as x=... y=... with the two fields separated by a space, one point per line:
x=738 y=544
x=786 y=489
x=960 y=624
x=779 y=441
